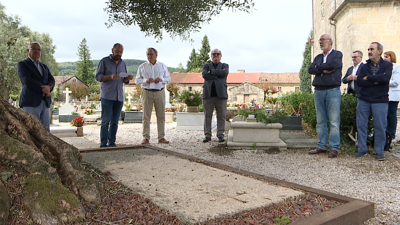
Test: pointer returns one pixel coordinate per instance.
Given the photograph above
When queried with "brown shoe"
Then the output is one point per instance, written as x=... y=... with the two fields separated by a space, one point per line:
x=145 y=142
x=333 y=154
x=317 y=151
x=163 y=141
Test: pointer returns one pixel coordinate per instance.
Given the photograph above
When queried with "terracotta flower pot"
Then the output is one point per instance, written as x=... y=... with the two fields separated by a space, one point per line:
x=79 y=131
x=192 y=109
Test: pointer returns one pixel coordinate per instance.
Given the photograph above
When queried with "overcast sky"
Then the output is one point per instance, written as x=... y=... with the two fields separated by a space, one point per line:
x=271 y=39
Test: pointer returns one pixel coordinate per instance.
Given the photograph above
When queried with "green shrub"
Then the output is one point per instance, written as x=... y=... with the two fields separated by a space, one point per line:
x=348 y=111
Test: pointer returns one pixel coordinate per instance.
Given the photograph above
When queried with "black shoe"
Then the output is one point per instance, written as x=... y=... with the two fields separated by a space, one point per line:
x=221 y=139
x=206 y=139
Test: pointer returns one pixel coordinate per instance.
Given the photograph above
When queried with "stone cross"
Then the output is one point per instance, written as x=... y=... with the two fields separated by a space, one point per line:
x=253 y=102
x=67 y=92
x=129 y=99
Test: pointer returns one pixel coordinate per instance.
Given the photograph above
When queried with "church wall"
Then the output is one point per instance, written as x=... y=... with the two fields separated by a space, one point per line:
x=357 y=25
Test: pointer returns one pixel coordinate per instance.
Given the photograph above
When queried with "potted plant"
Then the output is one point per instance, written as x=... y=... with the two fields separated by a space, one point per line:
x=191 y=99
x=228 y=117
x=78 y=123
x=133 y=115
x=261 y=114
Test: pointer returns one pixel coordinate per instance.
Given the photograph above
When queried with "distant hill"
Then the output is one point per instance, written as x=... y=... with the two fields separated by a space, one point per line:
x=132 y=65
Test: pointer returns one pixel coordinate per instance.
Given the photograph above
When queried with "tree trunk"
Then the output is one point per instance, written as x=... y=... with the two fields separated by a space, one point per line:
x=50 y=165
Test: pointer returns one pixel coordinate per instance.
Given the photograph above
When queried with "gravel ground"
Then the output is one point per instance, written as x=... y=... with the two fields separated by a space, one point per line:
x=366 y=178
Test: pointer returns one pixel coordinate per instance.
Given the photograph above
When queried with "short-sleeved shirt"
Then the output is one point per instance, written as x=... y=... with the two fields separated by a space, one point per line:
x=111 y=89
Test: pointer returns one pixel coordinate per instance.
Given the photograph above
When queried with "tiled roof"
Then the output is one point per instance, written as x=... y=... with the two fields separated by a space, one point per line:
x=237 y=78
x=280 y=78
x=196 y=78
x=63 y=79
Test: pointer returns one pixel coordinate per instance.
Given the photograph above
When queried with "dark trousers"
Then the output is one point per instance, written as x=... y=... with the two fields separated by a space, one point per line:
x=392 y=118
x=220 y=105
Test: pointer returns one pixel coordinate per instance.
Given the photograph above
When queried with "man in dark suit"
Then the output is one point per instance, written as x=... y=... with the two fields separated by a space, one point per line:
x=327 y=68
x=351 y=75
x=37 y=83
x=215 y=94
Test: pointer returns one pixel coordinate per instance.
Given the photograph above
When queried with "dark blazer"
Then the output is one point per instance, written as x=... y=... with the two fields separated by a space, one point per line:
x=375 y=89
x=345 y=81
x=217 y=76
x=329 y=80
x=31 y=94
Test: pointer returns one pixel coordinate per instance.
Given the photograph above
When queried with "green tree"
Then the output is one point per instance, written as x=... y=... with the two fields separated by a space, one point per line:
x=14 y=41
x=193 y=63
x=13 y=45
x=204 y=56
x=175 y=17
x=85 y=69
x=180 y=68
x=79 y=90
x=305 y=77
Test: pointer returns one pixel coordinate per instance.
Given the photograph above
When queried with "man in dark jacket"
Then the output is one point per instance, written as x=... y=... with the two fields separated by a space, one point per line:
x=351 y=75
x=327 y=68
x=373 y=78
x=215 y=94
x=37 y=83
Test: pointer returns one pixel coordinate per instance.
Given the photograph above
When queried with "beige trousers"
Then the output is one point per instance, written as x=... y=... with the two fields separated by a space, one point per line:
x=156 y=98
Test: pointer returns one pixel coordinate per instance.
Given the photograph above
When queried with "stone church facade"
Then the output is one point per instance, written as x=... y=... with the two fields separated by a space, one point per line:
x=354 y=24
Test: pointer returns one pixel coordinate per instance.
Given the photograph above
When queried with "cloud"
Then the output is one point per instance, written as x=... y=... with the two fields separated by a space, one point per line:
x=270 y=39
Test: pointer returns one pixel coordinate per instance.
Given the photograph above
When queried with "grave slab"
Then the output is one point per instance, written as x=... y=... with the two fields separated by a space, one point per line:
x=63 y=131
x=192 y=191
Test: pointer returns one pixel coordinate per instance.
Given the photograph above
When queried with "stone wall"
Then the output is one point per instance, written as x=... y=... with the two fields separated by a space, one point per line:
x=357 y=24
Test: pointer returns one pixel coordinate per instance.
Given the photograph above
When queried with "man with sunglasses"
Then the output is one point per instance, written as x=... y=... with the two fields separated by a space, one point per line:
x=215 y=94
x=327 y=68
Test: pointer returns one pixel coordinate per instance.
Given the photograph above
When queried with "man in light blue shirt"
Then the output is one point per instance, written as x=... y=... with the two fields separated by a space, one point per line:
x=111 y=93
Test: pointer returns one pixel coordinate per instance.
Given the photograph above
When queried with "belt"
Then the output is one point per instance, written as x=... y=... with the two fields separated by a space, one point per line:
x=153 y=89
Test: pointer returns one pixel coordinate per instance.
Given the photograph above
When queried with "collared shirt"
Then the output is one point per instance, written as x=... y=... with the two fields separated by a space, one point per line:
x=111 y=89
x=374 y=68
x=355 y=68
x=326 y=56
x=37 y=66
x=147 y=70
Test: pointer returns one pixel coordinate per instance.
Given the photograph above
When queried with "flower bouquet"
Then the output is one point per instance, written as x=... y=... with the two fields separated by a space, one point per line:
x=77 y=122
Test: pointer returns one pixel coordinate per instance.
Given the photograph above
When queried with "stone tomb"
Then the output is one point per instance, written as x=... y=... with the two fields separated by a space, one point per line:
x=255 y=135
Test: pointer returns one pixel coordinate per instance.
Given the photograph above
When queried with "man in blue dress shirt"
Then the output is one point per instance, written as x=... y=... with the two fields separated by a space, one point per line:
x=111 y=93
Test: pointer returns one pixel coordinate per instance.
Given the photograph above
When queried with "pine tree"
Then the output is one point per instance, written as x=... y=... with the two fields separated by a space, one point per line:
x=305 y=77
x=204 y=56
x=85 y=69
x=192 y=64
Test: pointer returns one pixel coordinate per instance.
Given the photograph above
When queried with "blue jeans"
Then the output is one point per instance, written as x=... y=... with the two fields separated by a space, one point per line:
x=110 y=112
x=41 y=112
x=379 y=112
x=392 y=118
x=327 y=105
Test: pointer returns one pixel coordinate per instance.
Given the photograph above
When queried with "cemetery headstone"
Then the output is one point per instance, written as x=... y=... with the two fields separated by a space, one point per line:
x=66 y=110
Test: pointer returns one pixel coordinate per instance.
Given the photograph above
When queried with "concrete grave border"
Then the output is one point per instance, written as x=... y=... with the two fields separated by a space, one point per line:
x=353 y=211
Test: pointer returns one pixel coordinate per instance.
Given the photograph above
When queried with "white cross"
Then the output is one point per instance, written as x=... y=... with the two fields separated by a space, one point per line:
x=67 y=92
x=129 y=99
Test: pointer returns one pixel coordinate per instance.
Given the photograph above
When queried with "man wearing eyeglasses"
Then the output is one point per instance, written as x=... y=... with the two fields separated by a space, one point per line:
x=153 y=76
x=215 y=94
x=351 y=75
x=37 y=84
x=327 y=68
